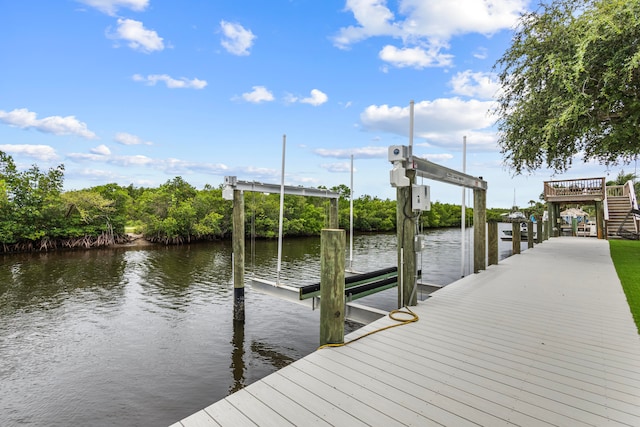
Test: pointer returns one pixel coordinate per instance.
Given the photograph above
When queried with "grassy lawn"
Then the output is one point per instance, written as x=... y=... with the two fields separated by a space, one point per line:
x=626 y=258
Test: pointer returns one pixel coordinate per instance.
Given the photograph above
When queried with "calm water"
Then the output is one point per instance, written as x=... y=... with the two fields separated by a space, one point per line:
x=144 y=336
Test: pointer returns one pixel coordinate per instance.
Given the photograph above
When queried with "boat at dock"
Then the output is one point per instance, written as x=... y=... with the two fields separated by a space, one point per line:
x=524 y=233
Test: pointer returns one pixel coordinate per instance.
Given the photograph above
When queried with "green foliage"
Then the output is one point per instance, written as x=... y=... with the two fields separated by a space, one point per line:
x=176 y=212
x=570 y=84
x=33 y=208
x=625 y=255
x=32 y=202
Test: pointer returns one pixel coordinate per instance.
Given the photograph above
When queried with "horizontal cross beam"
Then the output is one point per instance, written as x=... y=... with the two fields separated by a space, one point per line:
x=231 y=183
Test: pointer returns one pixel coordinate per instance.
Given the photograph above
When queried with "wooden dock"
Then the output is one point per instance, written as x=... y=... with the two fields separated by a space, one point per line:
x=543 y=338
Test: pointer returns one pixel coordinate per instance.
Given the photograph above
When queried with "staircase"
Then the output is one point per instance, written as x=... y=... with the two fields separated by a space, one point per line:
x=619 y=207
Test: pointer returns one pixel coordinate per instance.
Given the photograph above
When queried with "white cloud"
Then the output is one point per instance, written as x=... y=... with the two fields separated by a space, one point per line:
x=359 y=153
x=40 y=152
x=415 y=57
x=480 y=85
x=438 y=158
x=374 y=19
x=110 y=7
x=337 y=167
x=444 y=19
x=129 y=139
x=101 y=150
x=170 y=82
x=441 y=122
x=125 y=138
x=56 y=125
x=81 y=157
x=317 y=98
x=258 y=95
x=137 y=160
x=425 y=26
x=236 y=39
x=481 y=53
x=138 y=37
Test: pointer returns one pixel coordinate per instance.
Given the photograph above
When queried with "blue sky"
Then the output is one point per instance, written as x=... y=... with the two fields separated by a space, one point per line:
x=141 y=91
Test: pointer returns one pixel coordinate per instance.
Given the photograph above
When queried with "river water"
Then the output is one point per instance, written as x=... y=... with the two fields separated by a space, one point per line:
x=144 y=336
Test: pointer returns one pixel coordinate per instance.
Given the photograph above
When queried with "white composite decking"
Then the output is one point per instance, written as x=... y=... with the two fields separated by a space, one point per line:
x=544 y=338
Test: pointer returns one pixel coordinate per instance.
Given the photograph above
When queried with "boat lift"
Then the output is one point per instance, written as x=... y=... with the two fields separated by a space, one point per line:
x=406 y=167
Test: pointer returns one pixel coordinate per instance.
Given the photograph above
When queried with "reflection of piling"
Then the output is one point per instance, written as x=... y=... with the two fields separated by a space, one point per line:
x=332 y=247
x=492 y=238
x=238 y=255
x=237 y=356
x=515 y=237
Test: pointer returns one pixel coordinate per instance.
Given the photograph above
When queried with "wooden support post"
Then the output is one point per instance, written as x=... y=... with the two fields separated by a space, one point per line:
x=600 y=219
x=539 y=234
x=574 y=227
x=551 y=223
x=492 y=238
x=334 y=221
x=515 y=238
x=529 y=234
x=332 y=246
x=479 y=229
x=406 y=232
x=238 y=255
x=547 y=228
x=558 y=219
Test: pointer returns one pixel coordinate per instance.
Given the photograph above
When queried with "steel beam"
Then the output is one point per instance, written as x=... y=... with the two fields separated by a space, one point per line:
x=231 y=183
x=426 y=169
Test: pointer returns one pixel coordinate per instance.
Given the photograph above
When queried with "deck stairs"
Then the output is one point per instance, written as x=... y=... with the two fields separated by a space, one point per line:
x=618 y=208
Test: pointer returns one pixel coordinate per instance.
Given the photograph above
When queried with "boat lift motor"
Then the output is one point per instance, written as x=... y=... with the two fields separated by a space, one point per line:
x=398 y=154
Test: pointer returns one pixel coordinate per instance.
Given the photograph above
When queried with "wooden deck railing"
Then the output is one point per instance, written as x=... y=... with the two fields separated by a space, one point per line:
x=575 y=189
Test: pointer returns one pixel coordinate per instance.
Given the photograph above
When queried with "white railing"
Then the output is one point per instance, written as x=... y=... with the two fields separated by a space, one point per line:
x=629 y=190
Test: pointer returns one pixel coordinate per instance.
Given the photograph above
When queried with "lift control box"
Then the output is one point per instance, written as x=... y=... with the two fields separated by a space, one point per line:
x=420 y=198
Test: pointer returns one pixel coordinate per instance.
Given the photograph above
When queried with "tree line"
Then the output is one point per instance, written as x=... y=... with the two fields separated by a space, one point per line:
x=37 y=214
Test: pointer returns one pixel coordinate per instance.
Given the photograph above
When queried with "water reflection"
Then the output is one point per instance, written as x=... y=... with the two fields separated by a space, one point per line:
x=237 y=357
x=144 y=336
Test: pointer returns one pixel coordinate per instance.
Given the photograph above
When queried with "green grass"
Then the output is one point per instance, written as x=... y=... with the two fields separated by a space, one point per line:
x=626 y=259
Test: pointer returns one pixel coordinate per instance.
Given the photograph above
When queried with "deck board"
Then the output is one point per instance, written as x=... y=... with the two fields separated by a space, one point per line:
x=544 y=338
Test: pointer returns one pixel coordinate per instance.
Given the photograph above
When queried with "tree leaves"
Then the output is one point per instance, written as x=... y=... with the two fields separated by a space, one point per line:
x=571 y=86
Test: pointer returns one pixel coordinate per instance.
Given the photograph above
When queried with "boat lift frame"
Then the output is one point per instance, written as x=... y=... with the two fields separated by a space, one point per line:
x=406 y=167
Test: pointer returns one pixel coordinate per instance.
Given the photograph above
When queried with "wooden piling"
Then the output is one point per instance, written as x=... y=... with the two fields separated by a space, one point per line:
x=492 y=239
x=238 y=255
x=545 y=234
x=552 y=219
x=333 y=214
x=479 y=229
x=539 y=233
x=406 y=233
x=515 y=238
x=332 y=304
x=529 y=234
x=600 y=219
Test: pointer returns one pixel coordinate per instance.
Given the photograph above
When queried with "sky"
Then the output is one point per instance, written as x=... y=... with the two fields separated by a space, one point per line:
x=141 y=91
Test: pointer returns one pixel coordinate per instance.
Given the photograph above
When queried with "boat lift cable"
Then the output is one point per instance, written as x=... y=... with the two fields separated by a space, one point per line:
x=394 y=315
